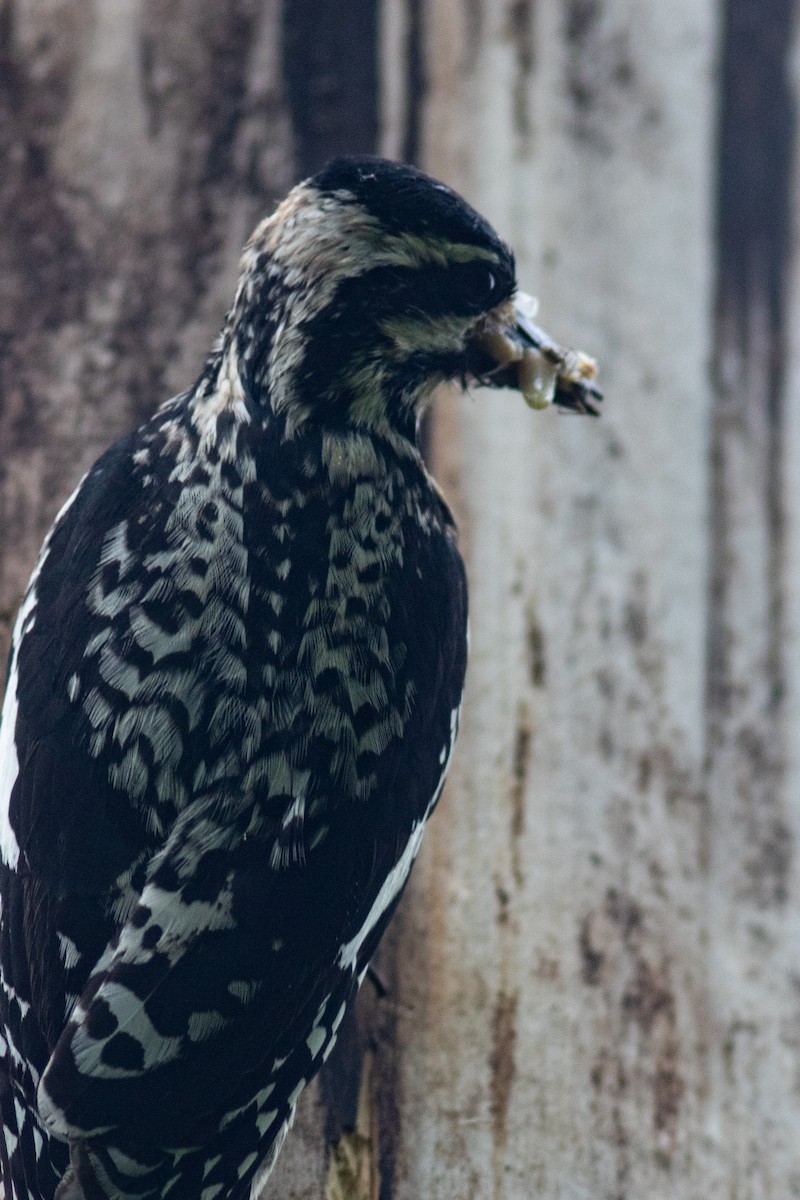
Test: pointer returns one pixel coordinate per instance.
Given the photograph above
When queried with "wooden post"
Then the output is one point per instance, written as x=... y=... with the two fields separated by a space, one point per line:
x=593 y=980
x=605 y=917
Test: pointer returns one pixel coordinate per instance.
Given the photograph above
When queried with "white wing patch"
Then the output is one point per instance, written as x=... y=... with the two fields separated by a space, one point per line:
x=395 y=880
x=9 y=769
x=348 y=954
x=264 y=1171
x=9 y=763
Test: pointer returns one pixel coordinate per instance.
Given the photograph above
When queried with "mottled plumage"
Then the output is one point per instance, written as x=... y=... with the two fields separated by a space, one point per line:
x=233 y=696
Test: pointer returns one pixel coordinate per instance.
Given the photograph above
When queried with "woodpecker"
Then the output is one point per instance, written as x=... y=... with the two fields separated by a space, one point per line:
x=233 y=695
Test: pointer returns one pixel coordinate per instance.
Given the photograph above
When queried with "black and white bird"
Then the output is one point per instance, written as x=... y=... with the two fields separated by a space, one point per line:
x=233 y=694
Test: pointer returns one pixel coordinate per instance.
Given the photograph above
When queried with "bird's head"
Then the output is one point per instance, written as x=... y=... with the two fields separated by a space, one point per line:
x=371 y=284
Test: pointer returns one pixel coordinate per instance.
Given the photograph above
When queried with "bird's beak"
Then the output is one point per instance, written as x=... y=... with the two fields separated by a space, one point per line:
x=527 y=358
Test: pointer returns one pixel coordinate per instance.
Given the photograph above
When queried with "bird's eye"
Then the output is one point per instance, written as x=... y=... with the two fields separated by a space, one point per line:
x=484 y=282
x=480 y=285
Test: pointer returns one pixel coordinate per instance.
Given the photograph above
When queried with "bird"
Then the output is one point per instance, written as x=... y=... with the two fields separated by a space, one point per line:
x=234 y=689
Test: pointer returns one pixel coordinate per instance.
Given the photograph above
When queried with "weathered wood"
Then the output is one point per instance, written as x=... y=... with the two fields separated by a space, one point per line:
x=593 y=981
x=606 y=911
x=140 y=143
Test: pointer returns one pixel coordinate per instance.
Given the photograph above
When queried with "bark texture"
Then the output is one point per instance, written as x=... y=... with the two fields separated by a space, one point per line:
x=593 y=984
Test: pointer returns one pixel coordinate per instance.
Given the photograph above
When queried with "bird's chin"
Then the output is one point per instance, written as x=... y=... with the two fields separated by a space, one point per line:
x=509 y=350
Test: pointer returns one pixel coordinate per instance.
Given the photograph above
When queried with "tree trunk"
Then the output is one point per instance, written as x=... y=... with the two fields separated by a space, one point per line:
x=594 y=979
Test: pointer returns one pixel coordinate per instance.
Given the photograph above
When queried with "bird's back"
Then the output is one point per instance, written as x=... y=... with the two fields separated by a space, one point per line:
x=235 y=686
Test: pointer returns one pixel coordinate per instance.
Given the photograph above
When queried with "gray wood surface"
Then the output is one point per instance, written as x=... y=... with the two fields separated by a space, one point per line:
x=594 y=979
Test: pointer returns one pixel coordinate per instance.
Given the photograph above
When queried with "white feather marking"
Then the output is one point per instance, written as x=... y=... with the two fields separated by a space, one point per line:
x=245 y=1165
x=9 y=763
x=260 y=1098
x=392 y=884
x=326 y=1053
x=70 y=954
x=209 y=1167
x=337 y=1020
x=395 y=880
x=264 y=1171
x=316 y=1040
x=9 y=769
x=202 y=1025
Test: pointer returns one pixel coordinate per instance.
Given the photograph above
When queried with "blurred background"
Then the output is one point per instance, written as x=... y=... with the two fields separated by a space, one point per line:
x=592 y=988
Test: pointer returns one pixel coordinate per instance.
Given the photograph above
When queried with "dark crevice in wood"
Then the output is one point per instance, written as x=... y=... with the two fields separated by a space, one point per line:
x=387 y=1082
x=753 y=210
x=502 y=1063
x=522 y=755
x=755 y=153
x=340 y=1077
x=330 y=69
x=416 y=82
x=370 y=1026
x=755 y=160
x=521 y=29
